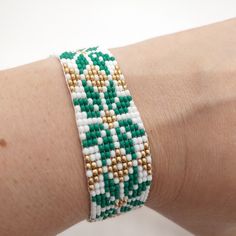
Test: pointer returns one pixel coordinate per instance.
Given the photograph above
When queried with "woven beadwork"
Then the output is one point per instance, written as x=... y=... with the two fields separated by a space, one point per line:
x=114 y=142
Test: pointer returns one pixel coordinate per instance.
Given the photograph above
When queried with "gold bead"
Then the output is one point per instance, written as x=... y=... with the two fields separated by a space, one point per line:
x=143 y=153
x=71 y=70
x=94 y=83
x=149 y=166
x=144 y=160
x=113 y=160
x=100 y=170
x=124 y=165
x=147 y=151
x=113 y=118
x=149 y=172
x=91 y=181
x=139 y=162
x=102 y=83
x=94 y=72
x=88 y=166
x=145 y=145
x=77 y=76
x=117 y=152
x=109 y=120
x=145 y=167
x=115 y=174
x=72 y=88
x=104 y=119
x=120 y=172
x=87 y=77
x=130 y=164
x=96 y=179
x=125 y=86
x=115 y=168
x=121 y=179
x=65 y=65
x=95 y=172
x=126 y=172
x=87 y=158
x=66 y=70
x=70 y=82
x=94 y=165
x=118 y=159
x=110 y=169
x=91 y=187
x=90 y=72
x=124 y=159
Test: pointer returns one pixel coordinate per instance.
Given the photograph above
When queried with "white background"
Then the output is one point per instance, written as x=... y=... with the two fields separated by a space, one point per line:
x=32 y=30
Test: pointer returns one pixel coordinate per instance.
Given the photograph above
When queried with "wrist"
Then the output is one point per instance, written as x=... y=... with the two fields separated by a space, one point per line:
x=163 y=94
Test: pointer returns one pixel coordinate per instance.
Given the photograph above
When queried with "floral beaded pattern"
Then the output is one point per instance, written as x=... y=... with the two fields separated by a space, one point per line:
x=114 y=141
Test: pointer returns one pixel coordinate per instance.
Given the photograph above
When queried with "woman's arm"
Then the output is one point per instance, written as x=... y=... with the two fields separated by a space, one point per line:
x=184 y=86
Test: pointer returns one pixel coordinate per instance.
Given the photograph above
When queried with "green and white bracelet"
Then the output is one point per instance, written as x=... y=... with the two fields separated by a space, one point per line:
x=114 y=142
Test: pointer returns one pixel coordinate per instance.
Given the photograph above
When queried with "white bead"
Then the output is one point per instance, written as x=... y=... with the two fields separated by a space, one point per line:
x=122 y=129
x=129 y=157
x=99 y=163
x=98 y=155
x=104 y=169
x=103 y=133
x=89 y=173
x=119 y=166
x=100 y=140
x=96 y=107
x=116 y=144
x=126 y=178
x=108 y=162
x=116 y=180
x=135 y=187
x=122 y=151
x=149 y=159
x=135 y=163
x=115 y=138
x=110 y=175
x=86 y=151
x=149 y=177
x=131 y=171
x=129 y=135
x=113 y=154
x=92 y=157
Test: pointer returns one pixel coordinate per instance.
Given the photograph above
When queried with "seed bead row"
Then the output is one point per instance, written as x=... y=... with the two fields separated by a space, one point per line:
x=115 y=146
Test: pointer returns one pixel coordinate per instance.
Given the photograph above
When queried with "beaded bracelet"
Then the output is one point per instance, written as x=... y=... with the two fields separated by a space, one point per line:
x=114 y=142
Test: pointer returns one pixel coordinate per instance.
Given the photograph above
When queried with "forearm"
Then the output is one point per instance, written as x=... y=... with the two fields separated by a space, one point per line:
x=179 y=96
x=42 y=180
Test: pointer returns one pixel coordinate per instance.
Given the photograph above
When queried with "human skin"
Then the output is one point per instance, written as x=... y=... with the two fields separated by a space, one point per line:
x=184 y=86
